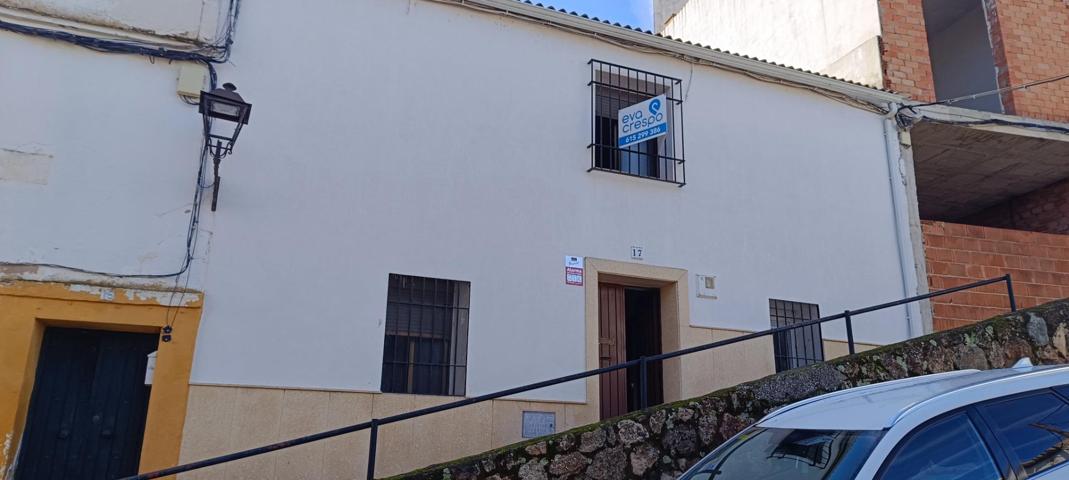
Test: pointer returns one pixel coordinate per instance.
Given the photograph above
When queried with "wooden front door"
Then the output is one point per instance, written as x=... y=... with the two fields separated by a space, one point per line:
x=87 y=410
x=612 y=348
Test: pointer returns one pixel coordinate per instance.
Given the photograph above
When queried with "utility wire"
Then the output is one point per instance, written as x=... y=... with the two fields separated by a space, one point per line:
x=907 y=121
x=951 y=101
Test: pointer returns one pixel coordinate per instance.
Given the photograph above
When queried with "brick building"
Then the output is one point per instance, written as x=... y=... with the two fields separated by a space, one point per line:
x=947 y=48
x=990 y=172
x=928 y=49
x=1039 y=263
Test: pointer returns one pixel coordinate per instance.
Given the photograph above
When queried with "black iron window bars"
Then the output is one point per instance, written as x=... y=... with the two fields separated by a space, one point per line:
x=614 y=87
x=426 y=346
x=796 y=347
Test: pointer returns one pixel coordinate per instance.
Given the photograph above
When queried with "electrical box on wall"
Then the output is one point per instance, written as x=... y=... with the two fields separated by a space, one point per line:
x=537 y=424
x=191 y=78
x=706 y=286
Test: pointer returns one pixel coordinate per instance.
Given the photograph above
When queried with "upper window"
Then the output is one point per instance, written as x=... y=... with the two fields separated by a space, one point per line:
x=426 y=347
x=1034 y=427
x=949 y=449
x=637 y=124
x=797 y=347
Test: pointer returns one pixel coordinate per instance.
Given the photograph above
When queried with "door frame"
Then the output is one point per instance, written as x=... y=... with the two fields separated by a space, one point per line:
x=675 y=315
x=27 y=308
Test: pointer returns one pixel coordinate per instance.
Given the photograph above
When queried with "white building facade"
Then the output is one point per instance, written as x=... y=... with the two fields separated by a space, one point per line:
x=393 y=225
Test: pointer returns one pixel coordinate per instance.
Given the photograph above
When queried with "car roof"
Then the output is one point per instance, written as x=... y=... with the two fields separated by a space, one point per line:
x=879 y=406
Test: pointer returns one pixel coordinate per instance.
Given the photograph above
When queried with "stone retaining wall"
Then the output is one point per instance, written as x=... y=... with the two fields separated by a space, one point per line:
x=662 y=442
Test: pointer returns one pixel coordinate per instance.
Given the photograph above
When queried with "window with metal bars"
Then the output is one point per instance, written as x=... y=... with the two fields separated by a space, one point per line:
x=426 y=347
x=797 y=347
x=615 y=87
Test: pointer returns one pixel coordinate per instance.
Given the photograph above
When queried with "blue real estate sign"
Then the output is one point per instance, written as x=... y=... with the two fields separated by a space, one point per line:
x=642 y=121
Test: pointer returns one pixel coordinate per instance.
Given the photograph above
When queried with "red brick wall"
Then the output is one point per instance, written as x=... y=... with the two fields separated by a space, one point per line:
x=1044 y=210
x=956 y=254
x=1030 y=39
x=907 y=67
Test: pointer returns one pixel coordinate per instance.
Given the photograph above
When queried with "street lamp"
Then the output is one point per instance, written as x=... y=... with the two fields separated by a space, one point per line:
x=224 y=113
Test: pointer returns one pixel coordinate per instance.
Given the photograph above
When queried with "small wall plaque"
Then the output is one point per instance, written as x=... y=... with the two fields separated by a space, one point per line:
x=706 y=286
x=537 y=424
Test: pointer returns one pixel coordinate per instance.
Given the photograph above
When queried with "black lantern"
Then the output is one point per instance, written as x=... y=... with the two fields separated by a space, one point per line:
x=224 y=112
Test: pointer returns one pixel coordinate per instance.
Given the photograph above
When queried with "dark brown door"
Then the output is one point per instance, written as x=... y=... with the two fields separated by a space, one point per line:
x=612 y=348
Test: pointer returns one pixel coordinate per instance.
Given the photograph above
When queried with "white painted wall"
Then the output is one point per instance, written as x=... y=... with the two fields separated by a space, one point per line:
x=814 y=35
x=97 y=160
x=425 y=139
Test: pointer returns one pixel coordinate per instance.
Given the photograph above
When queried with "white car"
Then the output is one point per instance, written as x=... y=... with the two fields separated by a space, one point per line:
x=1008 y=424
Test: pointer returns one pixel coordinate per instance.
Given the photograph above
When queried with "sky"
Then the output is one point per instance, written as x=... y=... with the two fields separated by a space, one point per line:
x=637 y=13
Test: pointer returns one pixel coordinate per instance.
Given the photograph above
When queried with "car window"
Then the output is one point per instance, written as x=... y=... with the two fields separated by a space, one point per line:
x=1035 y=428
x=949 y=449
x=788 y=454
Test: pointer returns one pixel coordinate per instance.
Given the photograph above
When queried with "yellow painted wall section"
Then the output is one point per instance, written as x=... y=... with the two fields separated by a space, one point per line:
x=28 y=308
x=224 y=419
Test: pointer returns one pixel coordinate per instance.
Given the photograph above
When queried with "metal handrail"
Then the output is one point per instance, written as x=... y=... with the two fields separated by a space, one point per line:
x=642 y=363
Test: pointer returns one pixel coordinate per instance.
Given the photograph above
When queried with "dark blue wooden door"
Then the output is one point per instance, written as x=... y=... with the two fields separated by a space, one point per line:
x=87 y=411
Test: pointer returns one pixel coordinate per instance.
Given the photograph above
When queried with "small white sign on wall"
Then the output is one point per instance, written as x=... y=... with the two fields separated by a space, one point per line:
x=150 y=368
x=538 y=424
x=573 y=270
x=636 y=253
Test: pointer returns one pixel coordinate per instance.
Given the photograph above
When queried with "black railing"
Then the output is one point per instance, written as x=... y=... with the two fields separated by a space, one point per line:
x=641 y=363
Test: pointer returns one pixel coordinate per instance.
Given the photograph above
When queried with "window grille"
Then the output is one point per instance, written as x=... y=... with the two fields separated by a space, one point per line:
x=614 y=87
x=797 y=347
x=426 y=347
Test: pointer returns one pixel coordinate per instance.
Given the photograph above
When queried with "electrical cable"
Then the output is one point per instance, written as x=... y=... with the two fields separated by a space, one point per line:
x=907 y=121
x=1011 y=88
x=207 y=55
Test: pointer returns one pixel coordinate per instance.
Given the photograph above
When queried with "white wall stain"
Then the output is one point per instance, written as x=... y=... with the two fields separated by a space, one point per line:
x=19 y=166
x=4 y=455
x=168 y=299
x=163 y=298
x=104 y=293
x=148 y=256
x=186 y=20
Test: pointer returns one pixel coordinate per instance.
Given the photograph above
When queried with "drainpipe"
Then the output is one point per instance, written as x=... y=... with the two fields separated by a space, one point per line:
x=899 y=209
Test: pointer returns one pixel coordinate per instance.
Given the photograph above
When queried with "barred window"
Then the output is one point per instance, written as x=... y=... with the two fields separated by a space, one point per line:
x=426 y=347
x=797 y=347
x=617 y=144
